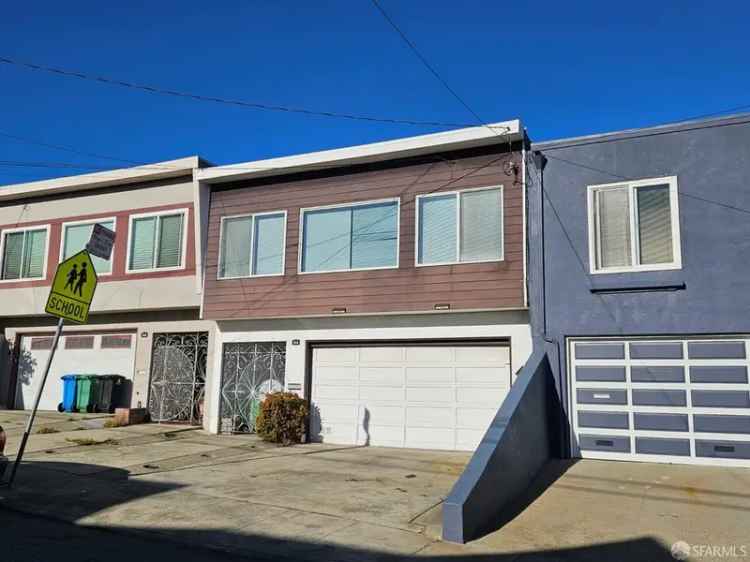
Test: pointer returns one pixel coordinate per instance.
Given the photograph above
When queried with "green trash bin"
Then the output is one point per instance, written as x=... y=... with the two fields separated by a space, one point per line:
x=88 y=393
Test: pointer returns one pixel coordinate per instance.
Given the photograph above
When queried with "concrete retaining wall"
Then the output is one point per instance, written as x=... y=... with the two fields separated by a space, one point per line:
x=518 y=443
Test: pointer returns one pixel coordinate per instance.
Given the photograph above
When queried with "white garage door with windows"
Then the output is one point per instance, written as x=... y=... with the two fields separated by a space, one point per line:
x=416 y=396
x=82 y=353
x=658 y=400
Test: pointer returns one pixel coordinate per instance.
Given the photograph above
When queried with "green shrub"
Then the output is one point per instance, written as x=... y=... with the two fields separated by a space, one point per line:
x=282 y=418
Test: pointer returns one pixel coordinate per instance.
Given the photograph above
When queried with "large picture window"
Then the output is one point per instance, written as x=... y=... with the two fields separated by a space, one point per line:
x=156 y=241
x=460 y=227
x=77 y=235
x=351 y=237
x=634 y=226
x=24 y=253
x=252 y=245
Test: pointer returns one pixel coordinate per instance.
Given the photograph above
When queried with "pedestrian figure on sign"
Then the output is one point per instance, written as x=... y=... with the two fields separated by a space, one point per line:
x=72 y=276
x=82 y=276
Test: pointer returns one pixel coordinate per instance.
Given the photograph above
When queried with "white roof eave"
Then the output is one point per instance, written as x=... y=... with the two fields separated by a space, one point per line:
x=82 y=182
x=493 y=133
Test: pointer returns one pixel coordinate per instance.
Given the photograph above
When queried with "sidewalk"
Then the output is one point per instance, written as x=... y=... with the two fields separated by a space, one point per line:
x=317 y=502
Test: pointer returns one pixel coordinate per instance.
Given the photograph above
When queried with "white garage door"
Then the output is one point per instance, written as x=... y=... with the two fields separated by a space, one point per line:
x=678 y=401
x=427 y=397
x=97 y=354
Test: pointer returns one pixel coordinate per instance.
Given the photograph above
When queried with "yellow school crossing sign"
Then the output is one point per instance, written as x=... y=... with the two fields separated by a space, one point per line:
x=73 y=288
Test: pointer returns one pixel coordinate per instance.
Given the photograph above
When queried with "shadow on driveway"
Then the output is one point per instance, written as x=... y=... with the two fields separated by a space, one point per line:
x=38 y=521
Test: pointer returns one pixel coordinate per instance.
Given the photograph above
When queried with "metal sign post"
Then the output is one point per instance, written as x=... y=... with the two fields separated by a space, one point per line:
x=30 y=421
x=70 y=297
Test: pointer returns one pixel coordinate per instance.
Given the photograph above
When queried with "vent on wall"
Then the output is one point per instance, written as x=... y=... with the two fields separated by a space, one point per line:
x=119 y=341
x=79 y=342
x=41 y=343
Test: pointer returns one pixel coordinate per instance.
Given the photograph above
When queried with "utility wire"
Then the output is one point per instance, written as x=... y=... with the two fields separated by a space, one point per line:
x=239 y=103
x=400 y=207
x=715 y=113
x=680 y=193
x=424 y=61
x=67 y=149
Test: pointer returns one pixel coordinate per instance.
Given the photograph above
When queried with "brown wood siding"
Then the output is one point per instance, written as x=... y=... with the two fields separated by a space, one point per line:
x=407 y=288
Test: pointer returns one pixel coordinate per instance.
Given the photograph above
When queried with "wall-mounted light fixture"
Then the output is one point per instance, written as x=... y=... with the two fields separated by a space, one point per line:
x=442 y=306
x=340 y=310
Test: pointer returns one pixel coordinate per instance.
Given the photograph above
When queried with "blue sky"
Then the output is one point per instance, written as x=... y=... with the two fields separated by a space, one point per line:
x=564 y=68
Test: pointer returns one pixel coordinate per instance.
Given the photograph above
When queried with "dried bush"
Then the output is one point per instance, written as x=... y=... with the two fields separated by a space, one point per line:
x=282 y=418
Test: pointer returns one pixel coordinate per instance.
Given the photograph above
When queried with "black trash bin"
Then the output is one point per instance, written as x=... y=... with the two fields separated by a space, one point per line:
x=111 y=392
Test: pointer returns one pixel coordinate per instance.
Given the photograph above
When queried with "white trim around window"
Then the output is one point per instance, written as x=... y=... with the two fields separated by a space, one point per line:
x=6 y=231
x=183 y=255
x=352 y=205
x=252 y=246
x=93 y=221
x=632 y=186
x=458 y=193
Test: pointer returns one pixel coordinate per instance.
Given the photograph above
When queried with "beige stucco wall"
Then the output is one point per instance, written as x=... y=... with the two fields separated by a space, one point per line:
x=155 y=293
x=130 y=197
x=145 y=330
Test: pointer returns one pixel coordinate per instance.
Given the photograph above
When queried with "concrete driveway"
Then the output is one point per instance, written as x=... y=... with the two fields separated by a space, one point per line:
x=238 y=494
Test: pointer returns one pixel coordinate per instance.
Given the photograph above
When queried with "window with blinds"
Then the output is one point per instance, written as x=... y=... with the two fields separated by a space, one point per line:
x=460 y=227
x=156 y=241
x=75 y=238
x=353 y=237
x=24 y=254
x=634 y=226
x=252 y=245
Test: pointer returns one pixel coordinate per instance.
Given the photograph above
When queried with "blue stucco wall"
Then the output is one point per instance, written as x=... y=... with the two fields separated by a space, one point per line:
x=517 y=445
x=711 y=160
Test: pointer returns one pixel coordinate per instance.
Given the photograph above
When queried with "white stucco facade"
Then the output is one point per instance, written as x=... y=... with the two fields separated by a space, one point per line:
x=143 y=329
x=297 y=334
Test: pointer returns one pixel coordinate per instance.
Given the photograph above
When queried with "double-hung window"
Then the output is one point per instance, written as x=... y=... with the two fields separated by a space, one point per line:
x=350 y=237
x=24 y=253
x=460 y=226
x=252 y=245
x=157 y=241
x=77 y=235
x=634 y=226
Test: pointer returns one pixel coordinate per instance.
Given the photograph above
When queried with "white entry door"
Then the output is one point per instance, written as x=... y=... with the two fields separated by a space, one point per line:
x=416 y=396
x=85 y=354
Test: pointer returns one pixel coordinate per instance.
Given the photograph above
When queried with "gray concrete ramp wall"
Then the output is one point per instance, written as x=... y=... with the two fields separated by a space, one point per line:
x=518 y=443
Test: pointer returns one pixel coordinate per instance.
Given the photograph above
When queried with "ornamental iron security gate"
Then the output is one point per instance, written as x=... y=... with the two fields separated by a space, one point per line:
x=178 y=377
x=249 y=372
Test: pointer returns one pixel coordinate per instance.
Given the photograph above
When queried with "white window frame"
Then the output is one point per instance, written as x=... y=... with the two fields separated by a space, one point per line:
x=252 y=246
x=349 y=205
x=132 y=218
x=457 y=193
x=6 y=231
x=96 y=220
x=632 y=186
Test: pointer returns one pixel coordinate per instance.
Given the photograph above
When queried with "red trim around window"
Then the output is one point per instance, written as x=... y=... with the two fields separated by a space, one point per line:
x=119 y=251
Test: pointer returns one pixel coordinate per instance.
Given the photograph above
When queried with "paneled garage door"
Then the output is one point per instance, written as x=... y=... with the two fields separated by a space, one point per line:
x=679 y=401
x=84 y=353
x=419 y=396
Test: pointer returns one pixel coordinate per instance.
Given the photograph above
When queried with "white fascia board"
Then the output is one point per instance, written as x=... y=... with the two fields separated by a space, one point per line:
x=147 y=172
x=494 y=133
